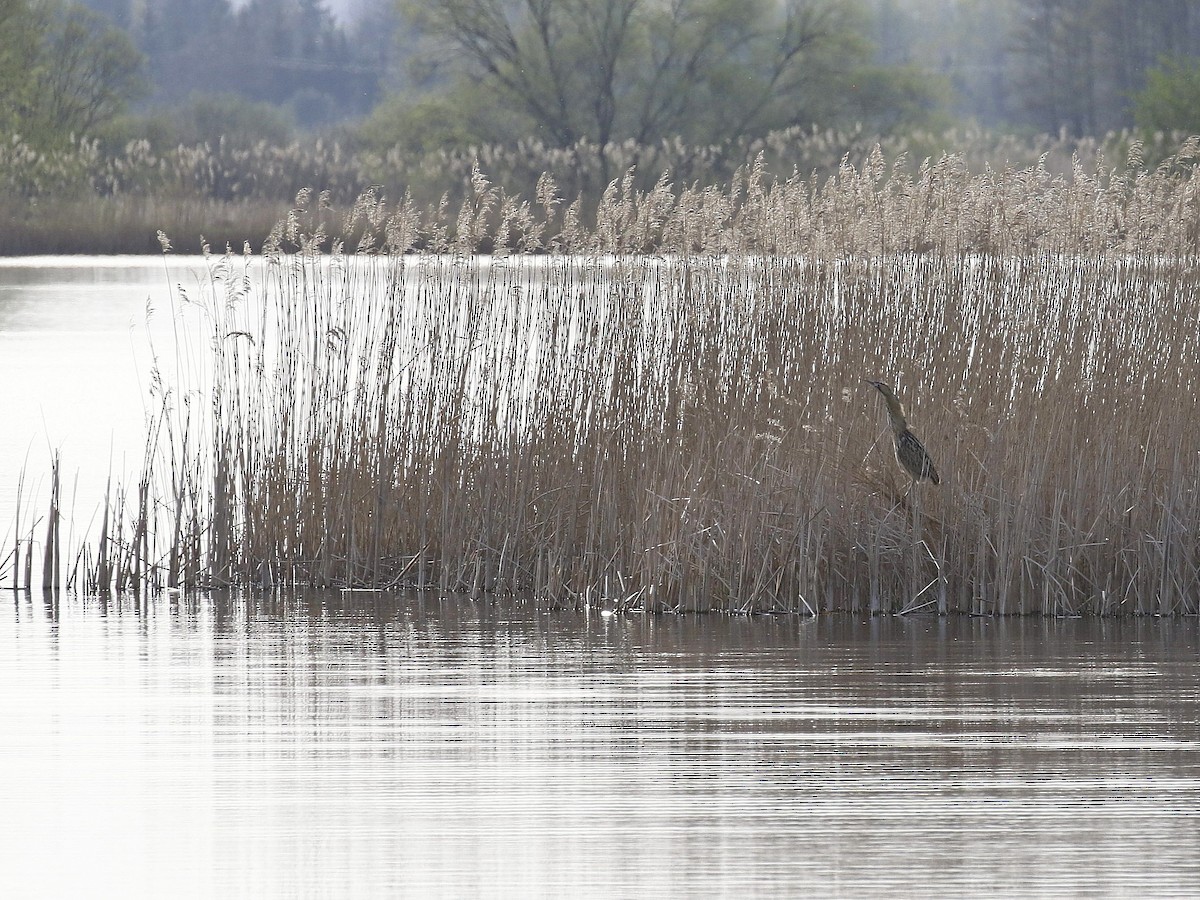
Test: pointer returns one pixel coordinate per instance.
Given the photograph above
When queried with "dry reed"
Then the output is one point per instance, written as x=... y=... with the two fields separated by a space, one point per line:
x=82 y=198
x=688 y=428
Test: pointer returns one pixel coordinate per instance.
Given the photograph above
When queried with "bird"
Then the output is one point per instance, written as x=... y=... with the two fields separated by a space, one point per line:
x=910 y=452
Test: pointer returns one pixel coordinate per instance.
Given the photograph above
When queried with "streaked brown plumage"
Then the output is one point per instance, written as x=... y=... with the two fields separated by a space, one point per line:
x=910 y=452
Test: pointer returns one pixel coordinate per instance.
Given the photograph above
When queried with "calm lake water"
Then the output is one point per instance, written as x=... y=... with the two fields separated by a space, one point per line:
x=74 y=371
x=312 y=747
x=266 y=747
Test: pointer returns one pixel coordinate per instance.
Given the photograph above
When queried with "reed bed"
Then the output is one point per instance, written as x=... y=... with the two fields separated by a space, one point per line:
x=85 y=198
x=666 y=410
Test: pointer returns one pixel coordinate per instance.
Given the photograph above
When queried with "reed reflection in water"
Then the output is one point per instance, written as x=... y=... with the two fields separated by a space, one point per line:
x=313 y=747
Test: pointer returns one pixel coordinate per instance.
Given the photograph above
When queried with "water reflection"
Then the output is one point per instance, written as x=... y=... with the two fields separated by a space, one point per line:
x=315 y=746
x=75 y=368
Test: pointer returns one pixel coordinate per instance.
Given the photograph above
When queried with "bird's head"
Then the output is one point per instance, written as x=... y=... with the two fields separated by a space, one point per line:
x=894 y=406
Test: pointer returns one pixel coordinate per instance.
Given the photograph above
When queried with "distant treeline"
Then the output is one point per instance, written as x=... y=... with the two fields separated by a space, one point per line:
x=1041 y=65
x=1075 y=66
x=290 y=53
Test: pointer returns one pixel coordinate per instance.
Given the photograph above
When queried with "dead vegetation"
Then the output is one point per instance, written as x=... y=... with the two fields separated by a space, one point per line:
x=666 y=409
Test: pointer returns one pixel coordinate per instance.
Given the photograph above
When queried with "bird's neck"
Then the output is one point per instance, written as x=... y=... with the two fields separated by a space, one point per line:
x=896 y=415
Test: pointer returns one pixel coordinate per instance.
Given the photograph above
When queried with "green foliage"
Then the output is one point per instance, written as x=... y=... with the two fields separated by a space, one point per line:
x=897 y=98
x=450 y=119
x=64 y=70
x=19 y=44
x=1170 y=102
x=211 y=118
x=218 y=121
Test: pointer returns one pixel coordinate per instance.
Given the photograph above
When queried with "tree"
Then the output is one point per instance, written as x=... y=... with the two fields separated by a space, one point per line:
x=1057 y=42
x=187 y=45
x=1170 y=101
x=88 y=69
x=294 y=53
x=954 y=40
x=18 y=56
x=64 y=69
x=647 y=70
x=1081 y=62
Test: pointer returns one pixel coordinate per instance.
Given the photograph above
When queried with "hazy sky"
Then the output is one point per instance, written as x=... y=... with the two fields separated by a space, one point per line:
x=343 y=9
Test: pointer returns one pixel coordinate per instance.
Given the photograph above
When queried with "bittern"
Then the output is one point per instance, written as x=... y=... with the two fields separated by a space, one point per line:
x=910 y=452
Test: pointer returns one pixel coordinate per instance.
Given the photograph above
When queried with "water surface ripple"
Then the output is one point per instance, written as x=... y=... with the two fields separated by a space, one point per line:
x=266 y=748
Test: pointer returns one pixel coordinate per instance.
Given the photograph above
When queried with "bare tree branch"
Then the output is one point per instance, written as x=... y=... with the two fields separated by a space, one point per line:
x=602 y=70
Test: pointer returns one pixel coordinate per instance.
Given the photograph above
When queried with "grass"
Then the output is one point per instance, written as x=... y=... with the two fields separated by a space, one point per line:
x=665 y=410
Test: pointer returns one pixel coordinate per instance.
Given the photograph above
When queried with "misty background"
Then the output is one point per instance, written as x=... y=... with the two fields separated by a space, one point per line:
x=244 y=102
x=1033 y=65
